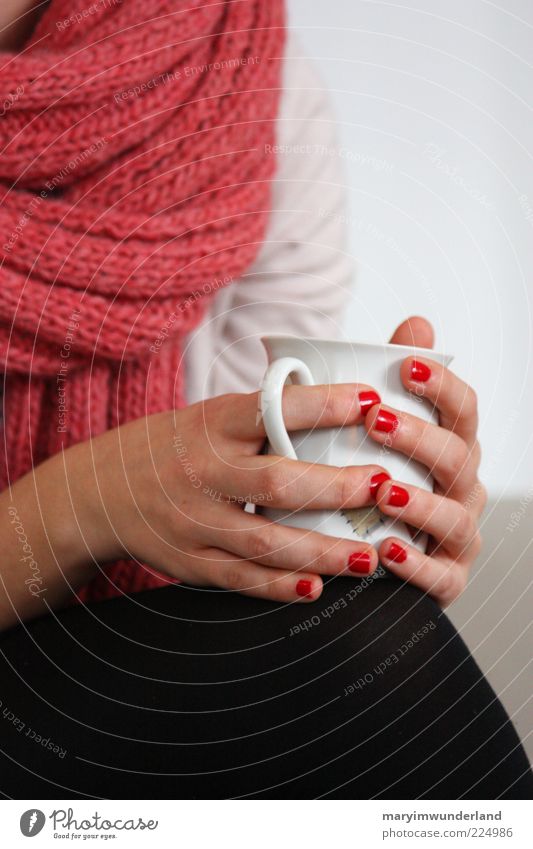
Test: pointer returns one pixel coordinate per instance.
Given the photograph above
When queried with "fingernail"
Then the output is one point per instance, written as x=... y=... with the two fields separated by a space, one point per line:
x=420 y=371
x=386 y=422
x=398 y=496
x=304 y=588
x=396 y=553
x=359 y=561
x=368 y=399
x=376 y=481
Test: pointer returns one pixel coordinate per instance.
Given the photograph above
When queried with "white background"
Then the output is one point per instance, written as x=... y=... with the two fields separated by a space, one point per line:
x=433 y=106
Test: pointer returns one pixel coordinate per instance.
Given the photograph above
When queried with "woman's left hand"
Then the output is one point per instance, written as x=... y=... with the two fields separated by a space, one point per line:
x=451 y=453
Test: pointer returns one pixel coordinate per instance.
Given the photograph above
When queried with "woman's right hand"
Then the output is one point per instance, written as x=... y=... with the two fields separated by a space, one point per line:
x=169 y=490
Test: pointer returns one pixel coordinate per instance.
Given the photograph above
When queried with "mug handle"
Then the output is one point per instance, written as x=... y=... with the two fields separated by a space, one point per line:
x=271 y=395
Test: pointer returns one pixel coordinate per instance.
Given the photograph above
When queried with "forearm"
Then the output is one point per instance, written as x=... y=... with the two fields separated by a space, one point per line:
x=45 y=552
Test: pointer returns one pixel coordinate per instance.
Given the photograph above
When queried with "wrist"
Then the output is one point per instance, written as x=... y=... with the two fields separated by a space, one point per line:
x=79 y=530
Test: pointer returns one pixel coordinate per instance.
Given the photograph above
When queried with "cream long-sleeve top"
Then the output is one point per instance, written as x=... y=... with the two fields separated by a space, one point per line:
x=299 y=281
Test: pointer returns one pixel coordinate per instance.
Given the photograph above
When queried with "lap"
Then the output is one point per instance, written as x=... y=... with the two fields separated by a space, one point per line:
x=186 y=692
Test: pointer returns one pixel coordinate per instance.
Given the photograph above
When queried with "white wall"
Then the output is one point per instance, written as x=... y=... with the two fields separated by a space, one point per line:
x=432 y=103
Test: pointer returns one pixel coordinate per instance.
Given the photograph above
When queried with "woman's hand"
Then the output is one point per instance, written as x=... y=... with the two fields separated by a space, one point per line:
x=451 y=454
x=169 y=490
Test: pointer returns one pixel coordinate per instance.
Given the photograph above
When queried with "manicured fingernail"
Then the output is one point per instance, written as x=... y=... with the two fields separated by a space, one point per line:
x=420 y=371
x=376 y=481
x=386 y=422
x=359 y=561
x=304 y=588
x=368 y=399
x=398 y=496
x=397 y=553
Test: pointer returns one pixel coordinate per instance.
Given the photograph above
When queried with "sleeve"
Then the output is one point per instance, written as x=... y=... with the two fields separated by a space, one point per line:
x=299 y=281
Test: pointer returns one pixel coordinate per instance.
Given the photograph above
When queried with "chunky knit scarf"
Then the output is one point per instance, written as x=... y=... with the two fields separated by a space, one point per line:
x=133 y=184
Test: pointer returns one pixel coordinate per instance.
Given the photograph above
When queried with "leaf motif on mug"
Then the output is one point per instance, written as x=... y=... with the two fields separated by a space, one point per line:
x=414 y=533
x=364 y=519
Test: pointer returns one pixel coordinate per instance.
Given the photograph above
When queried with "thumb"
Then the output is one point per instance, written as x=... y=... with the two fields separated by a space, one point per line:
x=415 y=331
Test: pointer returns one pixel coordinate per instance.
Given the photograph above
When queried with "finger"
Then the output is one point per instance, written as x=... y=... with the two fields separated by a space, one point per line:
x=330 y=405
x=230 y=572
x=443 y=452
x=414 y=331
x=451 y=525
x=443 y=579
x=476 y=500
x=454 y=399
x=294 y=484
x=255 y=538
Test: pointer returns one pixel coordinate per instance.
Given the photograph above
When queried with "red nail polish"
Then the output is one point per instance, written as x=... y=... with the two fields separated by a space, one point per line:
x=359 y=561
x=420 y=371
x=376 y=481
x=398 y=496
x=386 y=422
x=396 y=553
x=367 y=400
x=304 y=588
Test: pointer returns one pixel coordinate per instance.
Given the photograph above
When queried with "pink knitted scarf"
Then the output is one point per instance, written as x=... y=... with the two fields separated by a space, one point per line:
x=133 y=184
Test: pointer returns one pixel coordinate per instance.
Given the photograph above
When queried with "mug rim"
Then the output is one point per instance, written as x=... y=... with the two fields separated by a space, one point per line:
x=381 y=345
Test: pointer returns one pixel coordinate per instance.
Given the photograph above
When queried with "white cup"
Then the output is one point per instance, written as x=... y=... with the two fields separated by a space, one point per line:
x=327 y=361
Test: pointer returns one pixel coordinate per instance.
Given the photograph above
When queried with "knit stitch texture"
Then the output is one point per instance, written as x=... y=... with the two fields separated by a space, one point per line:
x=133 y=184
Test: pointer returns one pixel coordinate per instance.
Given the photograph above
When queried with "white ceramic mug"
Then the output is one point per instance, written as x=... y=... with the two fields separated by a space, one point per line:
x=326 y=361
